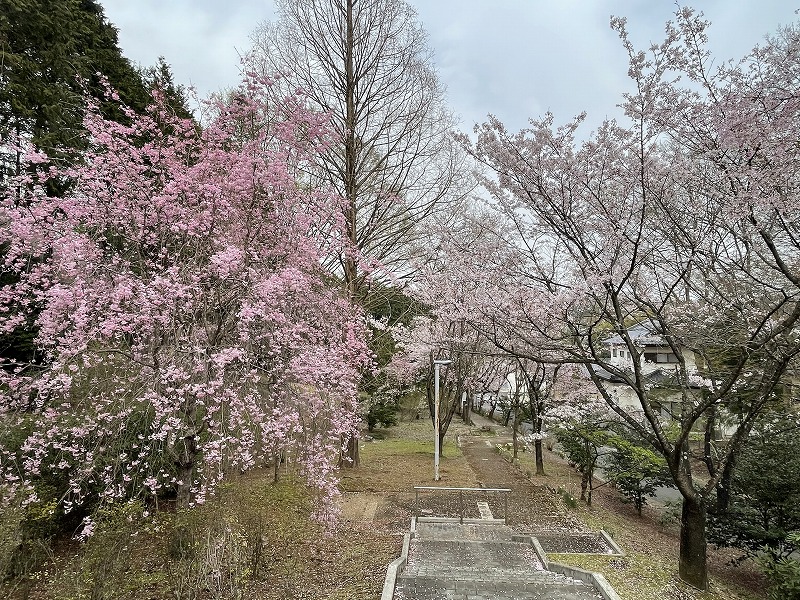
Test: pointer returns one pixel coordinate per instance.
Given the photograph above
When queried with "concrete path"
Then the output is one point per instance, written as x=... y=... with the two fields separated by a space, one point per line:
x=482 y=559
x=451 y=561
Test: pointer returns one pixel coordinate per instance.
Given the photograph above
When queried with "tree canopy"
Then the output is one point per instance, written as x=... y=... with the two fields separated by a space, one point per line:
x=50 y=50
x=178 y=295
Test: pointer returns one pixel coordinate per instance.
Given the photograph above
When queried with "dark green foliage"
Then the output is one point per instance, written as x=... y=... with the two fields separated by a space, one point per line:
x=382 y=412
x=636 y=470
x=160 y=77
x=17 y=347
x=50 y=49
x=569 y=501
x=51 y=52
x=583 y=442
x=764 y=502
x=783 y=573
x=388 y=306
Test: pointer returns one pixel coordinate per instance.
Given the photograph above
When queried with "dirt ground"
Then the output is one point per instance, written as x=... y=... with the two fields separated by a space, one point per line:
x=378 y=502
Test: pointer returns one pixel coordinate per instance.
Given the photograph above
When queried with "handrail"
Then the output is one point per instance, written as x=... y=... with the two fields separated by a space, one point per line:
x=465 y=489
x=461 y=490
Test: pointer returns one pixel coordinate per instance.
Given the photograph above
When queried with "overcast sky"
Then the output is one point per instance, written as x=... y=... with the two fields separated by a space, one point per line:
x=516 y=59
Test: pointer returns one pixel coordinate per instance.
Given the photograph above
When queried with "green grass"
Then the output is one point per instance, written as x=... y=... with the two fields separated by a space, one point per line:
x=403 y=459
x=643 y=576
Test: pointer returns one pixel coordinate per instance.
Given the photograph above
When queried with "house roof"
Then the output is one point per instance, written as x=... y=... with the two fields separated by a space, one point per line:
x=642 y=334
x=657 y=377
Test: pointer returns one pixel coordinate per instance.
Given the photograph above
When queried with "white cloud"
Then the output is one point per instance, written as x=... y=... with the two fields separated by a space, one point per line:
x=513 y=58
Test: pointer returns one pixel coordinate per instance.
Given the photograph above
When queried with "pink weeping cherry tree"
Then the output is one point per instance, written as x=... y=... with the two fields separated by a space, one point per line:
x=186 y=325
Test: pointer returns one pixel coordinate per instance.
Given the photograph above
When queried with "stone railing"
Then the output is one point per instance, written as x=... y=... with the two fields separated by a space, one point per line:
x=461 y=491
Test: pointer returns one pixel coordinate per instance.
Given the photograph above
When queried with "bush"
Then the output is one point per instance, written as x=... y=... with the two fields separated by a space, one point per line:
x=764 y=505
x=636 y=470
x=383 y=414
x=220 y=547
x=11 y=517
x=209 y=552
x=784 y=576
x=26 y=532
x=106 y=569
x=569 y=499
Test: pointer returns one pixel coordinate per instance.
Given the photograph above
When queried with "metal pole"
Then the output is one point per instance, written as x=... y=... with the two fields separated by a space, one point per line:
x=436 y=421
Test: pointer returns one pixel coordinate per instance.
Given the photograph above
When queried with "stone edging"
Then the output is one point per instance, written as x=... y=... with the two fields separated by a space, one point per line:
x=460 y=521
x=395 y=567
x=610 y=541
x=596 y=580
x=602 y=534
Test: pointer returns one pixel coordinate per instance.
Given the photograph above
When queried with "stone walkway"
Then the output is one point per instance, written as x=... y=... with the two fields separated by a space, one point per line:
x=482 y=559
x=451 y=561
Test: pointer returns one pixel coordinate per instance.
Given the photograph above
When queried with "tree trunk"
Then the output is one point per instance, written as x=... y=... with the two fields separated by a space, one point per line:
x=692 y=562
x=590 y=477
x=589 y=474
x=185 y=471
x=584 y=484
x=537 y=445
x=187 y=453
x=514 y=440
x=724 y=487
x=351 y=456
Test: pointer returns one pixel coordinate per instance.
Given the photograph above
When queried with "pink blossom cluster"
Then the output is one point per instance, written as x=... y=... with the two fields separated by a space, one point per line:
x=180 y=304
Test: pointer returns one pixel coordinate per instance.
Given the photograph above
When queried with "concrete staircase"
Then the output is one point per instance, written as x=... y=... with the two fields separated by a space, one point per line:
x=452 y=561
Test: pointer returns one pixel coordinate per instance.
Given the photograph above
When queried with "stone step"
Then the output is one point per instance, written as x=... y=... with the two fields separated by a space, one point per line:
x=480 y=561
x=440 y=588
x=465 y=531
x=483 y=557
x=507 y=575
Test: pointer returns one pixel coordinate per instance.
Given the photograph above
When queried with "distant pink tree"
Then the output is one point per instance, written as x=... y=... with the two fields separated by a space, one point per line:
x=187 y=326
x=456 y=278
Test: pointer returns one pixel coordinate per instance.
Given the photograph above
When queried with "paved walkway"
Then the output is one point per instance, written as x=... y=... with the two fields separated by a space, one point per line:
x=482 y=560
x=450 y=561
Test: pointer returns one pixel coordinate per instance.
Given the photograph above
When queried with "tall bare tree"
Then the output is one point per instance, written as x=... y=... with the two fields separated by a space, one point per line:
x=367 y=63
x=393 y=160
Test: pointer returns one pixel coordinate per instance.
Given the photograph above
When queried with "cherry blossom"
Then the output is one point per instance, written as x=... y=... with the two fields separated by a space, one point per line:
x=180 y=304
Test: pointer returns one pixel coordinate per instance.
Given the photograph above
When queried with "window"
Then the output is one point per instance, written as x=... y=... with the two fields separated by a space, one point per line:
x=669 y=411
x=661 y=357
